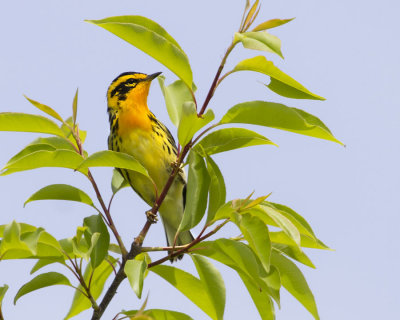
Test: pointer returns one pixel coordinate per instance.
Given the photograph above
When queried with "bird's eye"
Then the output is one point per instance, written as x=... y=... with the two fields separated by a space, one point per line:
x=131 y=81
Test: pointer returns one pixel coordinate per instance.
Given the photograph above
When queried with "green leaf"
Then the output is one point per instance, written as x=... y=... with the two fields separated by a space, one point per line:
x=298 y=221
x=263 y=41
x=42 y=281
x=261 y=299
x=294 y=252
x=273 y=217
x=100 y=275
x=56 y=142
x=23 y=241
x=175 y=95
x=281 y=83
x=278 y=116
x=31 y=149
x=49 y=144
x=159 y=314
x=115 y=159
x=39 y=159
x=217 y=189
x=257 y=235
x=46 y=109
x=224 y=212
x=151 y=38
x=229 y=139
x=294 y=282
x=212 y=282
x=23 y=122
x=273 y=23
x=190 y=122
x=45 y=262
x=95 y=225
x=135 y=271
x=61 y=192
x=118 y=182
x=12 y=243
x=188 y=285
x=3 y=291
x=252 y=14
x=241 y=258
x=75 y=107
x=85 y=248
x=306 y=242
x=197 y=191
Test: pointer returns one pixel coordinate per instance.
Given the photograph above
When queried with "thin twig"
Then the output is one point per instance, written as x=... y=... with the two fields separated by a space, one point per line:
x=109 y=219
x=193 y=243
x=216 y=78
x=151 y=249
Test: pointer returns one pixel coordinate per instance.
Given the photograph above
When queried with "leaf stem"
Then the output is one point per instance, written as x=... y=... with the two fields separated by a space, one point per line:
x=108 y=219
x=150 y=249
x=217 y=75
x=188 y=246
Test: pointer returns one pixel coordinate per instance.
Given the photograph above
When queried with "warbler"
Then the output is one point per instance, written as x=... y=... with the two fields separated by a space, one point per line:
x=135 y=130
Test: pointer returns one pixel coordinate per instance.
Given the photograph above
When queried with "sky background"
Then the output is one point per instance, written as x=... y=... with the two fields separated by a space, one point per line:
x=346 y=51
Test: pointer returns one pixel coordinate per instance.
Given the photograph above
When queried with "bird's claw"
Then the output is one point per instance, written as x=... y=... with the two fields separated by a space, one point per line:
x=151 y=217
x=175 y=165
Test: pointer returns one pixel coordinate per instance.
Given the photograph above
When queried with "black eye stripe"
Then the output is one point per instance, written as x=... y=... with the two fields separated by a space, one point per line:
x=124 y=87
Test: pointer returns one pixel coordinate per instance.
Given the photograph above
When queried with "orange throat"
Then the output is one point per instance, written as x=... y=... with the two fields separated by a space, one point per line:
x=134 y=117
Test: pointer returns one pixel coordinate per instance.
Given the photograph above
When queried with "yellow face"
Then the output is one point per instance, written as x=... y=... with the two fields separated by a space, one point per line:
x=129 y=88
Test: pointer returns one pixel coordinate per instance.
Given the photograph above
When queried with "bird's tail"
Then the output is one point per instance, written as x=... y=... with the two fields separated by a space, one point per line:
x=183 y=238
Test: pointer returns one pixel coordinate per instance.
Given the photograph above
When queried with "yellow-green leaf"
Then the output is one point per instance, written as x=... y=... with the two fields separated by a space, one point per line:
x=75 y=107
x=278 y=116
x=257 y=235
x=118 y=182
x=43 y=158
x=60 y=192
x=262 y=40
x=212 y=282
x=151 y=38
x=281 y=83
x=273 y=23
x=46 y=109
x=293 y=281
x=217 y=189
x=156 y=314
x=95 y=225
x=190 y=122
x=175 y=95
x=188 y=285
x=229 y=139
x=135 y=271
x=42 y=281
x=108 y=158
x=24 y=122
x=197 y=191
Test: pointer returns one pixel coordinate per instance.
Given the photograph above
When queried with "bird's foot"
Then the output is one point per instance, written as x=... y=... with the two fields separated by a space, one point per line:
x=175 y=165
x=151 y=217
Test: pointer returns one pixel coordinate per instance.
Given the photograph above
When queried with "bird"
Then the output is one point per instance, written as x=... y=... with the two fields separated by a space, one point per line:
x=136 y=131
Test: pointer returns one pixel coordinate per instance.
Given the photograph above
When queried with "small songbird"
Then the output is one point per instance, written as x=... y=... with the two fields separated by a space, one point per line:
x=135 y=130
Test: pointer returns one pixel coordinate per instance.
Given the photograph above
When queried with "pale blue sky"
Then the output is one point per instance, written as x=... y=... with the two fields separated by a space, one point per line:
x=346 y=51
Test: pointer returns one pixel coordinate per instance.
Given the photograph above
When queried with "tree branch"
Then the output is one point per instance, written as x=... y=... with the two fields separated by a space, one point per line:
x=120 y=276
x=216 y=78
x=190 y=245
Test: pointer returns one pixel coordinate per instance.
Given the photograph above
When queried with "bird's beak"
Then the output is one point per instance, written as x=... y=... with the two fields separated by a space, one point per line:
x=151 y=77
